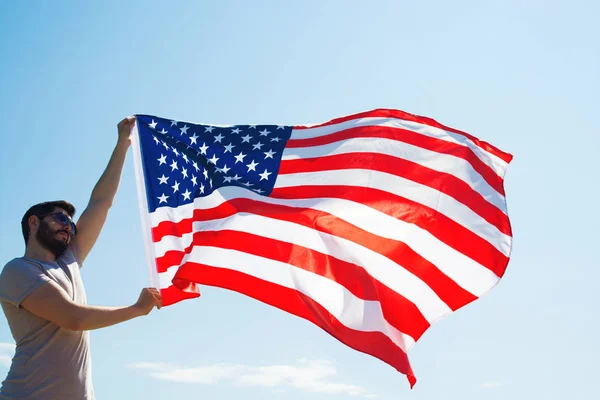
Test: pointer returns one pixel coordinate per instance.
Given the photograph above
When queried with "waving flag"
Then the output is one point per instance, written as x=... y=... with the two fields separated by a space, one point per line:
x=371 y=226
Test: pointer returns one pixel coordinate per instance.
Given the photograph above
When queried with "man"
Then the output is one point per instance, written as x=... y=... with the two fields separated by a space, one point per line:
x=43 y=297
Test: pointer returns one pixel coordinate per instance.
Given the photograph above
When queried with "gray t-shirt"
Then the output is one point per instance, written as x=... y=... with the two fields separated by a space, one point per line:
x=50 y=362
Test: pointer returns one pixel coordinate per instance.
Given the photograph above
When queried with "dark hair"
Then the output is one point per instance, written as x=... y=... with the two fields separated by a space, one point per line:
x=44 y=208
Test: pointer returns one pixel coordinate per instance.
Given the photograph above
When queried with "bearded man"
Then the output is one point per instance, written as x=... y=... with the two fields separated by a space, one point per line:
x=43 y=297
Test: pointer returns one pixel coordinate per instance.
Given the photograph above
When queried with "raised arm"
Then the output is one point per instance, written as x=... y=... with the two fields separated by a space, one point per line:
x=93 y=217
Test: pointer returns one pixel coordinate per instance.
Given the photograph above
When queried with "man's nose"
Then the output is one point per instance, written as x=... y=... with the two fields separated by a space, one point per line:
x=68 y=228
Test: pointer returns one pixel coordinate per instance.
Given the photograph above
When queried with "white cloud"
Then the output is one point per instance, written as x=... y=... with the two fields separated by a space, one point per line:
x=490 y=385
x=307 y=375
x=205 y=375
x=7 y=350
x=310 y=376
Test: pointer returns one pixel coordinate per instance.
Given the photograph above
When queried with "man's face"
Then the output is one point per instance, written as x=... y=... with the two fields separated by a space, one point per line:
x=53 y=235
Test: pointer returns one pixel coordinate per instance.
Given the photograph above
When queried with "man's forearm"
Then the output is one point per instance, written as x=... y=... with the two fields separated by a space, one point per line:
x=106 y=188
x=87 y=317
x=51 y=302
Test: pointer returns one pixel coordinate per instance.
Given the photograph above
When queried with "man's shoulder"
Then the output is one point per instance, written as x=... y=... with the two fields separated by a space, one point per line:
x=17 y=266
x=15 y=260
x=18 y=276
x=11 y=265
x=22 y=265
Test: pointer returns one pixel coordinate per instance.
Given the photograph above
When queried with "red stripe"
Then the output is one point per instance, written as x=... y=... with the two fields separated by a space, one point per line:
x=410 y=137
x=441 y=181
x=387 y=113
x=447 y=289
x=375 y=344
x=182 y=291
x=398 y=311
x=440 y=226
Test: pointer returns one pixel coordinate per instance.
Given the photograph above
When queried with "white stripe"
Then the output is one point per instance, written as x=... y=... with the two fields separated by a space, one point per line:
x=440 y=162
x=495 y=162
x=466 y=272
x=143 y=207
x=399 y=186
x=377 y=265
x=351 y=311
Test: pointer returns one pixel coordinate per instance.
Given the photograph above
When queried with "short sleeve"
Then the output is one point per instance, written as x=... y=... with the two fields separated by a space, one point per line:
x=19 y=279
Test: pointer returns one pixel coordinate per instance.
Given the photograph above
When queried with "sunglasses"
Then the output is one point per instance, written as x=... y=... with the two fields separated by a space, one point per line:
x=62 y=219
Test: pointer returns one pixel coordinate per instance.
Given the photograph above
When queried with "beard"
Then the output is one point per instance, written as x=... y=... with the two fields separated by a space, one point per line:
x=47 y=238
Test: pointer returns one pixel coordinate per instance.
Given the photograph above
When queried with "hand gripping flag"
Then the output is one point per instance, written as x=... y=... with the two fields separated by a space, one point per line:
x=371 y=226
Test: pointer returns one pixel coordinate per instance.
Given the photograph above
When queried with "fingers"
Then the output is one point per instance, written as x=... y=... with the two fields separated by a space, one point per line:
x=130 y=121
x=157 y=300
x=127 y=121
x=156 y=297
x=150 y=298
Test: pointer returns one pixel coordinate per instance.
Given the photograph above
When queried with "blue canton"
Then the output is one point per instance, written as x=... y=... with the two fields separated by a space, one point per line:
x=183 y=161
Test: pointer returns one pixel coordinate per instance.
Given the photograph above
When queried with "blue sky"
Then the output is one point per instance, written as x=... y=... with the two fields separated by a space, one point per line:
x=523 y=75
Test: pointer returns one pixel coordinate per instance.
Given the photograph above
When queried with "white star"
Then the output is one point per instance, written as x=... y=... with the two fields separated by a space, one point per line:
x=185 y=158
x=163 y=131
x=163 y=198
x=218 y=138
x=227 y=179
x=202 y=188
x=236 y=177
x=265 y=175
x=184 y=172
x=240 y=157
x=247 y=183
x=193 y=138
x=186 y=194
x=163 y=179
x=195 y=166
x=280 y=127
x=184 y=129
x=165 y=145
x=175 y=151
x=174 y=123
x=259 y=191
x=214 y=159
x=152 y=125
x=252 y=127
x=223 y=170
x=205 y=173
x=252 y=166
x=174 y=165
x=264 y=132
x=162 y=160
x=210 y=182
x=209 y=129
x=275 y=139
x=236 y=130
x=175 y=187
x=156 y=139
x=229 y=147
x=269 y=154
x=257 y=146
x=194 y=180
x=246 y=139
x=203 y=148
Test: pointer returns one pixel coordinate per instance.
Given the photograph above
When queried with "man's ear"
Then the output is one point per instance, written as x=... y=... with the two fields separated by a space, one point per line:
x=33 y=222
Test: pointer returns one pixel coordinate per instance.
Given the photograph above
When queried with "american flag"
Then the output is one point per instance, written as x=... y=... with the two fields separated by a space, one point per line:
x=371 y=226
